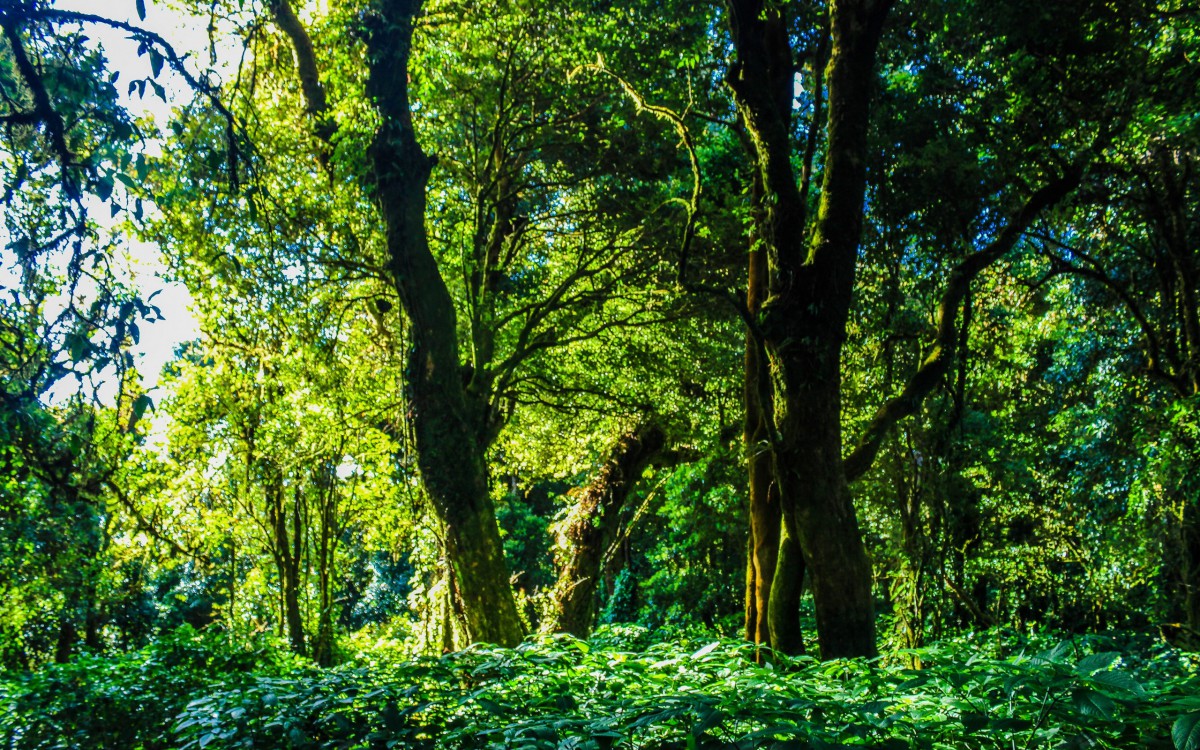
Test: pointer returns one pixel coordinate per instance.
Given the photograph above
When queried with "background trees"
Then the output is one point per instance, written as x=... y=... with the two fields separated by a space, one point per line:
x=932 y=260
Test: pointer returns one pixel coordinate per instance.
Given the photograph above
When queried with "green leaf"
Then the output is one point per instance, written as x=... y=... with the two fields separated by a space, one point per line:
x=1012 y=725
x=1118 y=681
x=706 y=650
x=1186 y=732
x=78 y=346
x=973 y=722
x=711 y=718
x=104 y=187
x=1095 y=662
x=1092 y=703
x=492 y=707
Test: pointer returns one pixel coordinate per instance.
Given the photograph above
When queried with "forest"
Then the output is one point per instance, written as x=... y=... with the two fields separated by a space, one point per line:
x=590 y=374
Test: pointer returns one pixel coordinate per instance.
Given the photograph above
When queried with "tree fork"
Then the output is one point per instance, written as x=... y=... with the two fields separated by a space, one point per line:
x=809 y=288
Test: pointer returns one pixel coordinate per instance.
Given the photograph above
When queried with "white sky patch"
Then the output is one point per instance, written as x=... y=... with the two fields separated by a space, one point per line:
x=143 y=261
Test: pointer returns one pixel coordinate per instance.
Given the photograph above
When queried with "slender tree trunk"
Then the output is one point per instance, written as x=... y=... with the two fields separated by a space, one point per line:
x=322 y=644
x=765 y=510
x=286 y=549
x=450 y=448
x=749 y=604
x=64 y=645
x=591 y=529
x=908 y=582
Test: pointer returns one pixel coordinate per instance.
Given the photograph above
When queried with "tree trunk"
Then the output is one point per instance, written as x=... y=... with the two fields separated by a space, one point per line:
x=328 y=531
x=809 y=470
x=591 y=528
x=286 y=549
x=765 y=509
x=64 y=645
x=908 y=582
x=450 y=451
x=803 y=318
x=787 y=584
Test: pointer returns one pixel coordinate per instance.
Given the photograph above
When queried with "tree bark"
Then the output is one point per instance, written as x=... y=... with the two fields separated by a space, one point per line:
x=328 y=531
x=590 y=530
x=765 y=510
x=787 y=585
x=450 y=452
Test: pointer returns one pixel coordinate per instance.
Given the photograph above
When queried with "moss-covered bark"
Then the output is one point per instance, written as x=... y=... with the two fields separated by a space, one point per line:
x=803 y=317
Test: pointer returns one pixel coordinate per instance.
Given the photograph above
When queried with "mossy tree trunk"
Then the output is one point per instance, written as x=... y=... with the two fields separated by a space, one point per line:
x=803 y=317
x=591 y=528
x=450 y=449
x=287 y=548
x=766 y=516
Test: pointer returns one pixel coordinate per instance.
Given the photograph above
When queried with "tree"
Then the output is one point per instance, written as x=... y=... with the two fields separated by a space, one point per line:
x=67 y=324
x=591 y=529
x=1138 y=253
x=548 y=260
x=810 y=267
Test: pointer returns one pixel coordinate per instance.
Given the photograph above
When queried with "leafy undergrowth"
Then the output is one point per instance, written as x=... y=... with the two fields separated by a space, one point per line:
x=986 y=690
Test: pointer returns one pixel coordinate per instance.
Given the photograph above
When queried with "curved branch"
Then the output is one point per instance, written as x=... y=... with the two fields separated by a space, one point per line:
x=935 y=365
x=150 y=527
x=315 y=102
x=173 y=58
x=1095 y=273
x=43 y=110
x=692 y=205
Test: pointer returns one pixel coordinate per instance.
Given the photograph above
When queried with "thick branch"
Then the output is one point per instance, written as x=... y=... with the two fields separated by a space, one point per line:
x=592 y=526
x=43 y=110
x=315 y=102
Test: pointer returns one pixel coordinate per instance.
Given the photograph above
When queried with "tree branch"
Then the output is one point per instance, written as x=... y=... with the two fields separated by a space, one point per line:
x=43 y=110
x=935 y=365
x=316 y=105
x=210 y=92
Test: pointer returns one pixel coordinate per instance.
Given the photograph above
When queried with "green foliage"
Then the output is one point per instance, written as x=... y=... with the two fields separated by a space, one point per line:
x=684 y=557
x=127 y=701
x=624 y=688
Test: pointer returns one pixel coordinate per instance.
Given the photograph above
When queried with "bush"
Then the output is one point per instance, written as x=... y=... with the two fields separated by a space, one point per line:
x=128 y=701
x=563 y=693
